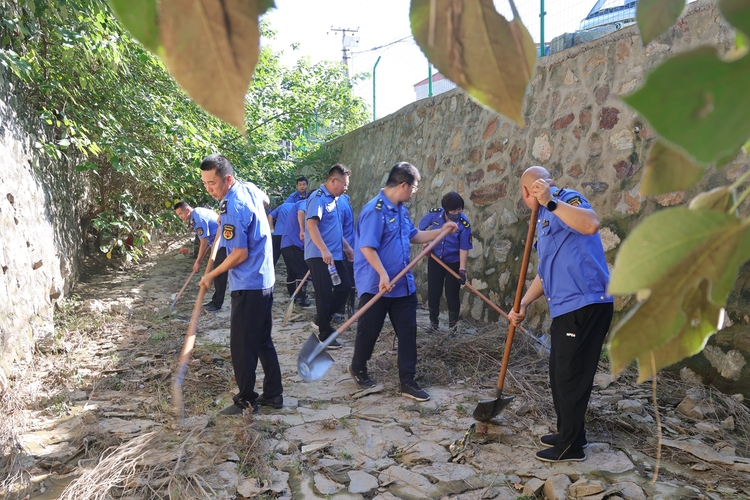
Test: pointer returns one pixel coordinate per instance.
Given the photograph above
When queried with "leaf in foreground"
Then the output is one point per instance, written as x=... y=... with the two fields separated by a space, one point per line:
x=478 y=49
x=684 y=300
x=668 y=170
x=211 y=48
x=140 y=18
x=654 y=17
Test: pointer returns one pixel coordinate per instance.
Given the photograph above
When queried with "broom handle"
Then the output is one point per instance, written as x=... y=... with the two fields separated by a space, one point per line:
x=296 y=291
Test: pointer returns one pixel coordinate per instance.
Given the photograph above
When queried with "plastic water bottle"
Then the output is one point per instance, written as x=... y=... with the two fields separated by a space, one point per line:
x=335 y=278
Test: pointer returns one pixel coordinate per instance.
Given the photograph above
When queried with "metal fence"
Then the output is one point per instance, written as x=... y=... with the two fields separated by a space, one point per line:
x=400 y=74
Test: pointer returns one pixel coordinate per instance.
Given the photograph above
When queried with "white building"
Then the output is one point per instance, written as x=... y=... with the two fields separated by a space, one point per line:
x=440 y=84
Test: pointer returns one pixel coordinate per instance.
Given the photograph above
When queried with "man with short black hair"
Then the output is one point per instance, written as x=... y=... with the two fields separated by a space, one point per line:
x=205 y=223
x=384 y=234
x=301 y=192
x=325 y=246
x=245 y=232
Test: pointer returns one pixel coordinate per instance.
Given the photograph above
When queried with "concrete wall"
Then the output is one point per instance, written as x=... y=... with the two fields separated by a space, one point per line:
x=576 y=127
x=41 y=205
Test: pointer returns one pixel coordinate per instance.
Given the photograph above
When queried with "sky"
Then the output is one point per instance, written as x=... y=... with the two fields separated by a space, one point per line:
x=308 y=24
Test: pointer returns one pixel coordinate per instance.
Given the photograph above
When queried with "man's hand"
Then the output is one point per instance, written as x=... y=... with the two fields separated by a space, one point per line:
x=327 y=257
x=349 y=252
x=207 y=280
x=540 y=190
x=196 y=266
x=517 y=317
x=462 y=273
x=450 y=227
x=302 y=235
x=385 y=283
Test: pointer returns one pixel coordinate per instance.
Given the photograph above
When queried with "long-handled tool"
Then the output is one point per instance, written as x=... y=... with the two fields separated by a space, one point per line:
x=179 y=294
x=290 y=307
x=489 y=409
x=313 y=360
x=187 y=347
x=542 y=345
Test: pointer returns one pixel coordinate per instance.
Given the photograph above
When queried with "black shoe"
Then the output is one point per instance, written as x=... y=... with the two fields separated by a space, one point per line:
x=556 y=455
x=362 y=380
x=550 y=440
x=211 y=307
x=302 y=302
x=433 y=328
x=233 y=409
x=413 y=391
x=334 y=345
x=337 y=319
x=273 y=401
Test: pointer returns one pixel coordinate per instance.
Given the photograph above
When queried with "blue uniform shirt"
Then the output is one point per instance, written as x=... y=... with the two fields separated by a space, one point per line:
x=447 y=250
x=205 y=223
x=572 y=265
x=347 y=218
x=280 y=214
x=290 y=233
x=388 y=229
x=322 y=206
x=244 y=225
x=295 y=197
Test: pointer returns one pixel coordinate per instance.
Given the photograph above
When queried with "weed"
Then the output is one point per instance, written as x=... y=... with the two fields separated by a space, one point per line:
x=316 y=405
x=346 y=455
x=158 y=336
x=461 y=410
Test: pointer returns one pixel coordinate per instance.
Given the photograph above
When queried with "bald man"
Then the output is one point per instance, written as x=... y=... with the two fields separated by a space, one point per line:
x=573 y=276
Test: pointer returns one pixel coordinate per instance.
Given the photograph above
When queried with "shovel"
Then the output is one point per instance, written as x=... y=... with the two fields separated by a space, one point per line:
x=179 y=294
x=487 y=410
x=543 y=347
x=313 y=360
x=187 y=347
x=290 y=307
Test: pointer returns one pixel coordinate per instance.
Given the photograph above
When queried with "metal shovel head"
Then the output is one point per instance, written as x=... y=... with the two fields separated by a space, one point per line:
x=489 y=409
x=312 y=366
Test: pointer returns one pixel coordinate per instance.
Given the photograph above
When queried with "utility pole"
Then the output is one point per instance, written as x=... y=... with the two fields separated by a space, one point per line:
x=347 y=42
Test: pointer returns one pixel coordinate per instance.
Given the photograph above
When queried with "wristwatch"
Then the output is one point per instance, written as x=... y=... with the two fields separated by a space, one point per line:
x=551 y=205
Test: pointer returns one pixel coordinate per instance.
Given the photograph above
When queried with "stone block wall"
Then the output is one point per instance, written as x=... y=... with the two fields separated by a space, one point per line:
x=41 y=205
x=575 y=126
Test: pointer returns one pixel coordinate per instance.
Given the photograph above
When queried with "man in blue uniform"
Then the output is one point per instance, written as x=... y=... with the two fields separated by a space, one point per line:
x=573 y=276
x=293 y=251
x=205 y=223
x=301 y=192
x=245 y=232
x=384 y=234
x=325 y=246
x=276 y=220
x=347 y=224
x=454 y=251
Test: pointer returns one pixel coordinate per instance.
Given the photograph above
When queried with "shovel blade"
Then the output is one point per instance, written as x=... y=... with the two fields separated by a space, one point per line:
x=489 y=409
x=309 y=366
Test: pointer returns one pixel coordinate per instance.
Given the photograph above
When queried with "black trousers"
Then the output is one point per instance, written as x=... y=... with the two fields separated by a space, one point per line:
x=403 y=314
x=577 y=339
x=328 y=298
x=351 y=299
x=296 y=268
x=437 y=276
x=250 y=341
x=220 y=282
x=276 y=244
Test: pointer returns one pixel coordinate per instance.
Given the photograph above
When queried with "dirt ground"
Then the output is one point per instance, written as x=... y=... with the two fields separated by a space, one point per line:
x=91 y=414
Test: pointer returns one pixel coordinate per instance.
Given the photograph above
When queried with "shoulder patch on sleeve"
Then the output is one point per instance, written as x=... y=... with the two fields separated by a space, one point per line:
x=319 y=192
x=574 y=201
x=200 y=231
x=379 y=204
x=435 y=209
x=465 y=223
x=223 y=207
x=228 y=232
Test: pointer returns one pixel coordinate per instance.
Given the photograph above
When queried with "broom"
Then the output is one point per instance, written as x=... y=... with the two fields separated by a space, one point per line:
x=290 y=307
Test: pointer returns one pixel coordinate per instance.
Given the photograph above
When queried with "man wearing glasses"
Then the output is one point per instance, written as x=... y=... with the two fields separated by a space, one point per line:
x=325 y=245
x=384 y=234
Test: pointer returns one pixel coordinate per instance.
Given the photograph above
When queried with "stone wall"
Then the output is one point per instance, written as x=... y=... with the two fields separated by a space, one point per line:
x=41 y=205
x=576 y=127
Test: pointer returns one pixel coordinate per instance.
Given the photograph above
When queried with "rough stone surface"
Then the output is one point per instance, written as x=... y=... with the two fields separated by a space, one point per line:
x=361 y=482
x=556 y=487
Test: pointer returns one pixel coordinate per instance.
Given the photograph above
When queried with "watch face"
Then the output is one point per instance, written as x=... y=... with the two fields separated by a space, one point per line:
x=551 y=205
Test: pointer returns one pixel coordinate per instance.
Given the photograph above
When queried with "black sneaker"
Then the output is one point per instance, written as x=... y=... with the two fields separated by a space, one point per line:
x=550 y=440
x=302 y=302
x=273 y=401
x=362 y=380
x=233 y=409
x=556 y=455
x=413 y=391
x=337 y=319
x=211 y=307
x=334 y=345
x=433 y=328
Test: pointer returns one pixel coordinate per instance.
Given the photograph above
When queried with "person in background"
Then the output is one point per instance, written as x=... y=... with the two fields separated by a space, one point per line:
x=277 y=218
x=247 y=236
x=454 y=251
x=573 y=275
x=301 y=192
x=205 y=223
x=293 y=251
x=347 y=224
x=385 y=233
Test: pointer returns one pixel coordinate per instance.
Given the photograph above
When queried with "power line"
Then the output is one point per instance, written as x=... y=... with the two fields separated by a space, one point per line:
x=382 y=46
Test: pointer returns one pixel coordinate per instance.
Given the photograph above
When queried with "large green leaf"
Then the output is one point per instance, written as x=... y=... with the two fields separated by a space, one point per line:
x=691 y=291
x=654 y=17
x=699 y=102
x=663 y=241
x=668 y=170
x=478 y=49
x=720 y=199
x=211 y=48
x=140 y=17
